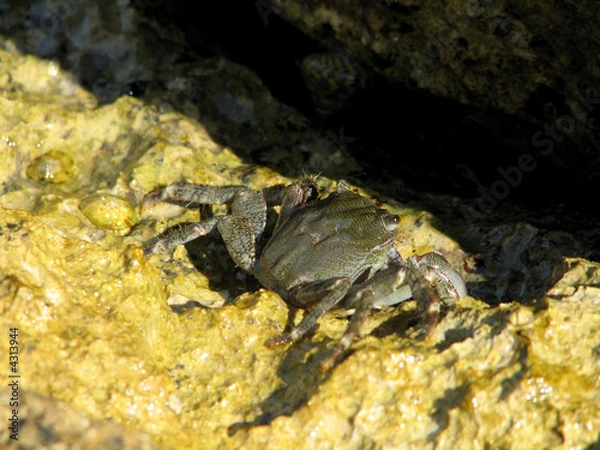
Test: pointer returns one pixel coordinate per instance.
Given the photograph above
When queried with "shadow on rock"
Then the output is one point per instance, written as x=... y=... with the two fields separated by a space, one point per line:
x=301 y=378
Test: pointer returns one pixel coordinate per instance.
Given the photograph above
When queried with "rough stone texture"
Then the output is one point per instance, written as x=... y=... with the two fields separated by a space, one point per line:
x=95 y=332
x=484 y=53
x=528 y=69
x=48 y=423
x=121 y=352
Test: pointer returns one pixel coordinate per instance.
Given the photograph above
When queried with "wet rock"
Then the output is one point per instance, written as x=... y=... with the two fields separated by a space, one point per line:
x=526 y=72
x=46 y=422
x=496 y=376
x=109 y=211
x=334 y=81
x=171 y=350
x=51 y=167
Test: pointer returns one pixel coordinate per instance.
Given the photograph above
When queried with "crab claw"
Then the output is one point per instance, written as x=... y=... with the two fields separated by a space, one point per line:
x=436 y=281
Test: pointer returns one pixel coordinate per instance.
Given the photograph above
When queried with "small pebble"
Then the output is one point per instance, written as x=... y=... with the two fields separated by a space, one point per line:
x=109 y=211
x=51 y=167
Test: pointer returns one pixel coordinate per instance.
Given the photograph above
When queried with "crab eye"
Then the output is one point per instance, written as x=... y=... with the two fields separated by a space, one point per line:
x=390 y=222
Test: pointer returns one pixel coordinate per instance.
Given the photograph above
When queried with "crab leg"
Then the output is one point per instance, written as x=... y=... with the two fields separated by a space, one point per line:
x=429 y=279
x=294 y=196
x=328 y=292
x=240 y=238
x=240 y=230
x=193 y=194
x=366 y=300
x=177 y=236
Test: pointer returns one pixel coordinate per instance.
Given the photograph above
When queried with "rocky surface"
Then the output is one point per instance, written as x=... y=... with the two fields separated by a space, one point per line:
x=525 y=71
x=116 y=351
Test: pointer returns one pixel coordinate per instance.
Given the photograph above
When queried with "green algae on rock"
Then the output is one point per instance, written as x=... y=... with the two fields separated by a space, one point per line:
x=98 y=332
x=204 y=374
x=88 y=318
x=44 y=419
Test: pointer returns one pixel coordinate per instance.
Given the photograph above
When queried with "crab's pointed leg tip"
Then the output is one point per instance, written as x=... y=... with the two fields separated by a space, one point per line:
x=277 y=341
x=432 y=326
x=327 y=365
x=153 y=197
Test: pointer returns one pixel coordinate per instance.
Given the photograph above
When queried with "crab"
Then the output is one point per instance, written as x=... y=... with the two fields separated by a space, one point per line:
x=323 y=253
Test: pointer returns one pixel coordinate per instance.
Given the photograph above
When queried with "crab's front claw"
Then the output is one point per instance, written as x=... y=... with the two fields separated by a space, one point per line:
x=434 y=281
x=445 y=279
